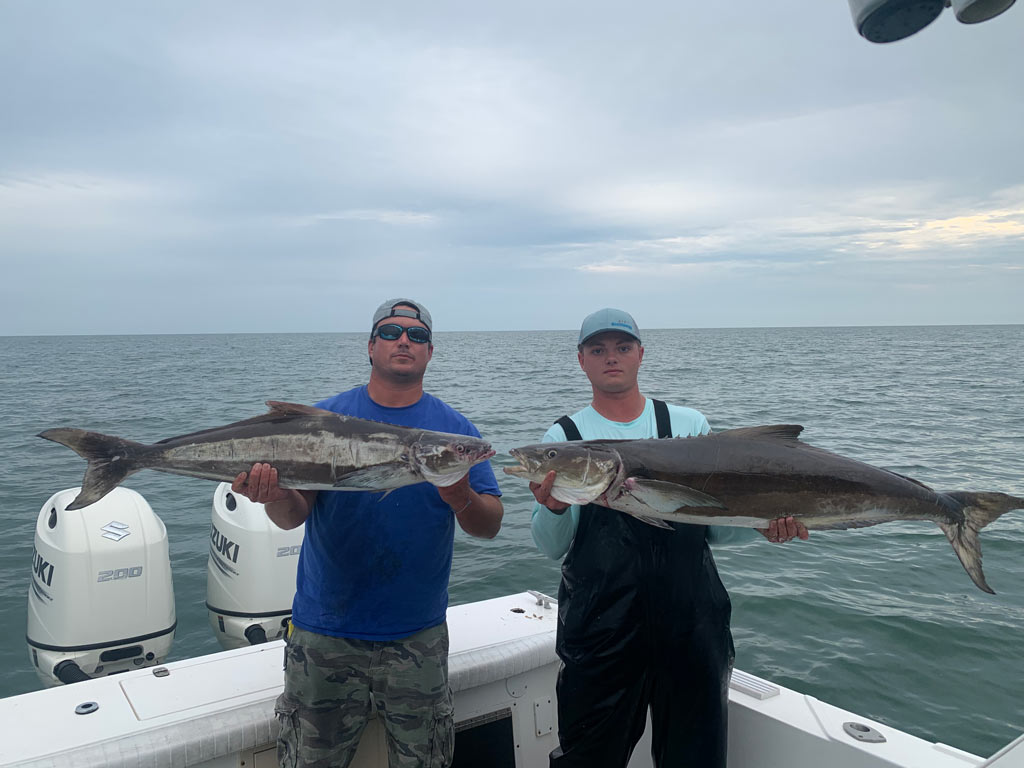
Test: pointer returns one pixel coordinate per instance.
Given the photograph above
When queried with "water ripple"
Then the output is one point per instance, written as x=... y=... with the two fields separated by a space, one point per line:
x=879 y=620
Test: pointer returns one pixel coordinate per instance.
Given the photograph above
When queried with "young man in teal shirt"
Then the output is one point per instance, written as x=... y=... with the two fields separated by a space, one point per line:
x=643 y=618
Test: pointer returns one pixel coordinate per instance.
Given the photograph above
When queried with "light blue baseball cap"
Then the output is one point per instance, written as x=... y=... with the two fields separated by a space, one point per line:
x=608 y=320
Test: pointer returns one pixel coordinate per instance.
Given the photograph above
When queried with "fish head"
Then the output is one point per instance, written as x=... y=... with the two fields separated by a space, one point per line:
x=444 y=459
x=582 y=472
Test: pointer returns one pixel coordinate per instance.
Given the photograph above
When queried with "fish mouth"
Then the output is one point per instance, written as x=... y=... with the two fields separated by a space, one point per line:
x=519 y=469
x=480 y=451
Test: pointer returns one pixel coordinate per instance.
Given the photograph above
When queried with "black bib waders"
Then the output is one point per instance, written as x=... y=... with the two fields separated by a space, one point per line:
x=643 y=619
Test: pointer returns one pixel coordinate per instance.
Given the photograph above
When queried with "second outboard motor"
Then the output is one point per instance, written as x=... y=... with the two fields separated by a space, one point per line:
x=250 y=574
x=101 y=599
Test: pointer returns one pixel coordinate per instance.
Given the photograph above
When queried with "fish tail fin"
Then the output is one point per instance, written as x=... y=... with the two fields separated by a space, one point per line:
x=111 y=460
x=979 y=510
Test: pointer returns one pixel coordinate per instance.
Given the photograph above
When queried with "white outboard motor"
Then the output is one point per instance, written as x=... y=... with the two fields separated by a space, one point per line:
x=101 y=599
x=250 y=574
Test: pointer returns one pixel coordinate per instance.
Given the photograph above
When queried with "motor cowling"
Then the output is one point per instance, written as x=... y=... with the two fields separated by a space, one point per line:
x=101 y=599
x=250 y=573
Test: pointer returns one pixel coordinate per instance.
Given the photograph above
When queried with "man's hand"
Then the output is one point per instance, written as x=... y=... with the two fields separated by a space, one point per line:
x=542 y=493
x=260 y=485
x=287 y=508
x=783 y=529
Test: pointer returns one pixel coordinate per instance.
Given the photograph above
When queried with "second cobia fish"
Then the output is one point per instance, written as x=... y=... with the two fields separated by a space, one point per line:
x=748 y=477
x=311 y=448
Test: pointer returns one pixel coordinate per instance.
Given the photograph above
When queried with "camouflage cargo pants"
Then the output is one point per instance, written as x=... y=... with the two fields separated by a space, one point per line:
x=326 y=699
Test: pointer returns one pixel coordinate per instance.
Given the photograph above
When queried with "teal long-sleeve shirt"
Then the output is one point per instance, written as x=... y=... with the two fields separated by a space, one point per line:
x=553 y=533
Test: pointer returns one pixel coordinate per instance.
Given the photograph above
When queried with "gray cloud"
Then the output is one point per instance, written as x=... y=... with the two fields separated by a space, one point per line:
x=251 y=167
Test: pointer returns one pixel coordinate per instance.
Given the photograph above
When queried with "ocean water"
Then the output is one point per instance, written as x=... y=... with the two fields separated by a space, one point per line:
x=882 y=621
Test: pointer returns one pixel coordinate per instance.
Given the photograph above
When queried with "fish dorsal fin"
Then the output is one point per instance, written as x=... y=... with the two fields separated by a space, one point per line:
x=277 y=411
x=788 y=432
x=910 y=479
x=278 y=408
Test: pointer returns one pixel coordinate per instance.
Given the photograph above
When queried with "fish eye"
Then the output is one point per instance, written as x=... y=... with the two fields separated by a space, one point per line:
x=460 y=448
x=551 y=453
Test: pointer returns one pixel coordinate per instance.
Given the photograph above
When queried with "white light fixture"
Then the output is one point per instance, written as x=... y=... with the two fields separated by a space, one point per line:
x=973 y=11
x=884 y=21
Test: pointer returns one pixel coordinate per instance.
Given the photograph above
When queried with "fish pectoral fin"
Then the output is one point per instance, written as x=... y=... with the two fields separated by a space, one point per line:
x=376 y=478
x=667 y=497
x=650 y=520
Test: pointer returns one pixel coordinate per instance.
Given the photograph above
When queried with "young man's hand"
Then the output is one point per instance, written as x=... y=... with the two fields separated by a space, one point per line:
x=542 y=493
x=783 y=529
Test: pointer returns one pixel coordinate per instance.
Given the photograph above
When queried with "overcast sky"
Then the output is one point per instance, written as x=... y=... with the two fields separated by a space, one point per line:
x=270 y=167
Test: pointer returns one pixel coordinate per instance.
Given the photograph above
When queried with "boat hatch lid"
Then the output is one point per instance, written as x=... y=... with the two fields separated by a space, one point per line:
x=207 y=682
x=502 y=619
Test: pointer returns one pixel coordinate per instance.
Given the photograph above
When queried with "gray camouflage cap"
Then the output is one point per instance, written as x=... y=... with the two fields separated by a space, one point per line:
x=393 y=307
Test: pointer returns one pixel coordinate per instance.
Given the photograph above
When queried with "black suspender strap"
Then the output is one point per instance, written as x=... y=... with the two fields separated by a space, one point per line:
x=572 y=432
x=662 y=418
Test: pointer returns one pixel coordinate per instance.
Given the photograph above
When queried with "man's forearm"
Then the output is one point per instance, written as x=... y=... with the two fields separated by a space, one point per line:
x=480 y=514
x=292 y=511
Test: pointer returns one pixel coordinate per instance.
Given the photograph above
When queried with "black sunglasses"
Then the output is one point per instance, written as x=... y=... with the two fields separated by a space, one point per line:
x=394 y=331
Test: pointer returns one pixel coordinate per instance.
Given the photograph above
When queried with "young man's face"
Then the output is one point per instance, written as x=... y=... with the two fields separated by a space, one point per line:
x=400 y=358
x=611 y=361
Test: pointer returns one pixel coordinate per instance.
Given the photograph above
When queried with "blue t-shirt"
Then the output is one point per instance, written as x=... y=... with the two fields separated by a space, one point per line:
x=377 y=568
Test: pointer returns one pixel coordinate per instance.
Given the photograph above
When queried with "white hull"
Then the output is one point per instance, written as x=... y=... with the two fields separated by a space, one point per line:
x=216 y=711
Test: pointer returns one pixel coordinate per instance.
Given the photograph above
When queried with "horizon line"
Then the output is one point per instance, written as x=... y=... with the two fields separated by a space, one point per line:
x=512 y=330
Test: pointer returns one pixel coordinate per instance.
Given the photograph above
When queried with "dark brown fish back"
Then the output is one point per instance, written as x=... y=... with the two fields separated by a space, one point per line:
x=742 y=462
x=299 y=418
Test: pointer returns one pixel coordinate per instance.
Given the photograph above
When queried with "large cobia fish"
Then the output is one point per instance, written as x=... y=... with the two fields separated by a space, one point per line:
x=750 y=476
x=311 y=448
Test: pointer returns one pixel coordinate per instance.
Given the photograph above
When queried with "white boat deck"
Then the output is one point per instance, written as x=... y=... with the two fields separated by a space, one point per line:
x=217 y=711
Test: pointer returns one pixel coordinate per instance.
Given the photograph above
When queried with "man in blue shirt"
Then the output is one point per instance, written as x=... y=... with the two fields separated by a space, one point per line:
x=372 y=583
x=643 y=618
